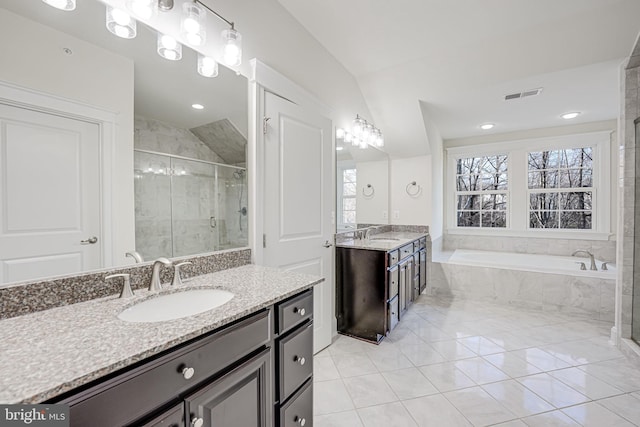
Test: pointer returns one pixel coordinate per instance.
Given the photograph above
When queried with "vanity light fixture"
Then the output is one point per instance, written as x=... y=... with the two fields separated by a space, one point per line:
x=207 y=66
x=571 y=115
x=120 y=23
x=143 y=9
x=487 y=126
x=169 y=48
x=192 y=26
x=232 y=49
x=66 y=5
x=363 y=134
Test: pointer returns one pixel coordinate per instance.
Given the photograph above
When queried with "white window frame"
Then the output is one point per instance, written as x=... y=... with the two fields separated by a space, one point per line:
x=518 y=191
x=342 y=166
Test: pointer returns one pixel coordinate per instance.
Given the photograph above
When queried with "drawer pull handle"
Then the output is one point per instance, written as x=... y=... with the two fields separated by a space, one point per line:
x=300 y=311
x=300 y=421
x=187 y=373
x=300 y=360
x=197 y=422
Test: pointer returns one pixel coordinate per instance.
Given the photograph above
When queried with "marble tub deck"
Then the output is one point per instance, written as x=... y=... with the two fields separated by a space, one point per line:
x=49 y=352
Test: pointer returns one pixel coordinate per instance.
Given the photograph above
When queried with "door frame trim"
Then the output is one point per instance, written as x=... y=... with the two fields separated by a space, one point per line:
x=30 y=99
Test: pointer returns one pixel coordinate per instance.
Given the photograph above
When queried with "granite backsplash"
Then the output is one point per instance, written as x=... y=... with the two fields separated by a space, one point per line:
x=28 y=297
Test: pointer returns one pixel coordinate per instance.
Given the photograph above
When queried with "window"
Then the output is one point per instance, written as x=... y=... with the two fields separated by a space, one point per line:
x=348 y=199
x=481 y=191
x=560 y=188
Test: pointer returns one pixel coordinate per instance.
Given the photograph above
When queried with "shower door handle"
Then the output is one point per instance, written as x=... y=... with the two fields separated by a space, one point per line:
x=212 y=222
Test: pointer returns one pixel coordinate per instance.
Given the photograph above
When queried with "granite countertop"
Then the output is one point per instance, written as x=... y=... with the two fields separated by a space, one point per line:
x=50 y=352
x=397 y=239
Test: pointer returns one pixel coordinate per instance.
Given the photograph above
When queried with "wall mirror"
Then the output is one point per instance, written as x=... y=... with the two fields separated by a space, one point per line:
x=362 y=187
x=179 y=173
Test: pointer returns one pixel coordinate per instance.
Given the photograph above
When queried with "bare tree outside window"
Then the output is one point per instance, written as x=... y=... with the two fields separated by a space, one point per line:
x=561 y=188
x=481 y=191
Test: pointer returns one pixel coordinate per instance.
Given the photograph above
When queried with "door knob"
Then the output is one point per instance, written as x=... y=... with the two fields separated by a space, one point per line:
x=327 y=244
x=90 y=241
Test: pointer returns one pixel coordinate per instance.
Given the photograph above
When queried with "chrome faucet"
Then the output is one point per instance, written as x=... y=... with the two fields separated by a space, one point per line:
x=136 y=256
x=155 y=284
x=591 y=258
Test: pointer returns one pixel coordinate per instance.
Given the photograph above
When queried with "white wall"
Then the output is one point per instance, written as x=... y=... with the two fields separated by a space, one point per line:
x=411 y=210
x=370 y=210
x=32 y=57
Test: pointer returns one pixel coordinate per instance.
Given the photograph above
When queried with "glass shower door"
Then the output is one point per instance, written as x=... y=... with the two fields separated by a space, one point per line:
x=152 y=187
x=635 y=310
x=194 y=207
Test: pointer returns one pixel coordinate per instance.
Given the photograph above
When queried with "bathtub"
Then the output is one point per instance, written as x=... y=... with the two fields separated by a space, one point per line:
x=542 y=282
x=531 y=262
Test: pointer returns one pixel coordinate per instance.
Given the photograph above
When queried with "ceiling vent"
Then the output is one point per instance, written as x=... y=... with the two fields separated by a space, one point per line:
x=526 y=93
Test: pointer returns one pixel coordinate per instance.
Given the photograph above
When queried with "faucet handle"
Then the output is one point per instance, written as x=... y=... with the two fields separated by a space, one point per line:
x=126 y=291
x=177 y=281
x=604 y=266
x=582 y=265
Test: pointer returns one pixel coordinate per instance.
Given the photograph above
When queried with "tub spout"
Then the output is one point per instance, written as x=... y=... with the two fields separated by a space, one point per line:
x=591 y=258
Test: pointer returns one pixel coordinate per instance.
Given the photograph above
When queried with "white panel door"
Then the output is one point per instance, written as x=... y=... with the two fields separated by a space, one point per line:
x=299 y=200
x=49 y=195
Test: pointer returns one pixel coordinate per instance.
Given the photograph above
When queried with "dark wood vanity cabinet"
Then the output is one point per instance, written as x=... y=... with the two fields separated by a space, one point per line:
x=375 y=287
x=243 y=375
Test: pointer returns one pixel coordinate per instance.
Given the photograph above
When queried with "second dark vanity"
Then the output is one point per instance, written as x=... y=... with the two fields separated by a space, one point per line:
x=377 y=280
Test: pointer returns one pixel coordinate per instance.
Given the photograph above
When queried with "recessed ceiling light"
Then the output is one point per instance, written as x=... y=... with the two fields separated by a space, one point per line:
x=197 y=106
x=487 y=126
x=572 y=115
x=339 y=148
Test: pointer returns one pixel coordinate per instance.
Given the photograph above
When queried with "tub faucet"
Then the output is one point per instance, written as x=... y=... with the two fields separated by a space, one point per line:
x=591 y=258
x=154 y=284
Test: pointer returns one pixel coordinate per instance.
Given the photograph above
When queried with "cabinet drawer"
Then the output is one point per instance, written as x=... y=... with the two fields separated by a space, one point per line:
x=295 y=311
x=142 y=389
x=406 y=250
x=299 y=410
x=295 y=360
x=394 y=257
x=393 y=277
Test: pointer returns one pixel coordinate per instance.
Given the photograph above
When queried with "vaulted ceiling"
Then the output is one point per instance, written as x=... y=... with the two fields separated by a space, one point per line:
x=451 y=62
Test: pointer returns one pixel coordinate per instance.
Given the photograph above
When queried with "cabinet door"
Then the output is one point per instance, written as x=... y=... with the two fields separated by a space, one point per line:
x=408 y=282
x=403 y=285
x=174 y=417
x=241 y=398
x=423 y=270
x=393 y=282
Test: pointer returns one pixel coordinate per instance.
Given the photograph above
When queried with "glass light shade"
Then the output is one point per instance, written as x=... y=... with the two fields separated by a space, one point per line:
x=358 y=126
x=366 y=132
x=232 y=47
x=169 y=48
x=356 y=141
x=339 y=133
x=144 y=9
x=67 y=5
x=363 y=144
x=192 y=26
x=348 y=137
x=120 y=23
x=207 y=66
x=379 y=139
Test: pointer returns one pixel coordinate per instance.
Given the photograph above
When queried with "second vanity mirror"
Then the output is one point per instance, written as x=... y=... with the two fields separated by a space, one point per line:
x=362 y=187
x=176 y=142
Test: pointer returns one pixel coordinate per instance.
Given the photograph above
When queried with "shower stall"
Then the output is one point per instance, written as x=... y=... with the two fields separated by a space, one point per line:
x=187 y=206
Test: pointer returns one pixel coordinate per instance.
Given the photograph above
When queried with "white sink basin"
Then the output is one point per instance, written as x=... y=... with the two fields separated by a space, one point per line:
x=176 y=305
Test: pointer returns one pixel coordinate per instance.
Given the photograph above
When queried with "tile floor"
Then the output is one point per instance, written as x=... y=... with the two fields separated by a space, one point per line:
x=465 y=363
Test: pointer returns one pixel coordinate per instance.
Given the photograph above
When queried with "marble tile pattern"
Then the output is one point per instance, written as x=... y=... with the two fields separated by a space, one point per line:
x=28 y=297
x=63 y=348
x=482 y=364
x=582 y=296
